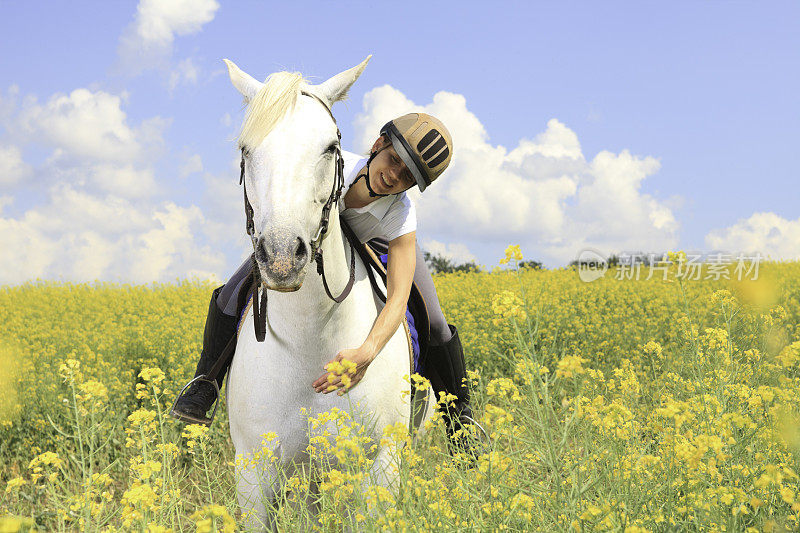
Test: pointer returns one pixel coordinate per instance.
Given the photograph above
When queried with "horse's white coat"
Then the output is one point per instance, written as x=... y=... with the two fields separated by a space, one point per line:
x=269 y=384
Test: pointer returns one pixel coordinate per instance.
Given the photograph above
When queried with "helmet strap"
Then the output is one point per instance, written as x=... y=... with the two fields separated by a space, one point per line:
x=366 y=175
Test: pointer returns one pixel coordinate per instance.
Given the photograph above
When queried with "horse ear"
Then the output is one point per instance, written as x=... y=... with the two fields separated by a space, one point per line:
x=336 y=88
x=244 y=82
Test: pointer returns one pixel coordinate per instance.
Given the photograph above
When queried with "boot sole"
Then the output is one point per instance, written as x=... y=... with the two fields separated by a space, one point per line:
x=189 y=419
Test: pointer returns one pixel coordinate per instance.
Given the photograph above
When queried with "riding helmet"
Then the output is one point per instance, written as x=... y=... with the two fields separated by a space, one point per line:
x=423 y=143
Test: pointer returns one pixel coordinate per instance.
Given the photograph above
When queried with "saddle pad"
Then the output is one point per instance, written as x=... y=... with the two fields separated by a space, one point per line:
x=411 y=327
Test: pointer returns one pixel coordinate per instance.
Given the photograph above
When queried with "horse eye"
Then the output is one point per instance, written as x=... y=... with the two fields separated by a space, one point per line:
x=331 y=149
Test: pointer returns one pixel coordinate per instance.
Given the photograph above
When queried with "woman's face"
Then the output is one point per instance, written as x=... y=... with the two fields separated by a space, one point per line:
x=387 y=172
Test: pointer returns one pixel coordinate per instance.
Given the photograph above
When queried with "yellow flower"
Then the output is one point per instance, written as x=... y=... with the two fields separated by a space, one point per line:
x=205 y=516
x=168 y=448
x=571 y=365
x=591 y=512
x=46 y=458
x=15 y=483
x=503 y=387
x=140 y=495
x=12 y=524
x=507 y=305
x=103 y=480
x=147 y=469
x=141 y=417
x=93 y=389
x=677 y=257
x=653 y=349
x=377 y=494
x=395 y=433
x=790 y=355
x=152 y=375
x=512 y=252
x=349 y=366
x=420 y=383
x=69 y=368
x=195 y=433
x=335 y=367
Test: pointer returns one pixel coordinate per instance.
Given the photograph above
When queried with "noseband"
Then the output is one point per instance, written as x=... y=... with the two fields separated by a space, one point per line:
x=260 y=308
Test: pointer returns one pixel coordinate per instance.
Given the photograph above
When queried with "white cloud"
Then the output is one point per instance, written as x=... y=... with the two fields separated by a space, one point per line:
x=147 y=42
x=8 y=102
x=125 y=180
x=542 y=193
x=91 y=140
x=455 y=251
x=767 y=233
x=12 y=168
x=185 y=72
x=191 y=164
x=99 y=214
x=223 y=203
x=78 y=236
x=4 y=201
x=86 y=124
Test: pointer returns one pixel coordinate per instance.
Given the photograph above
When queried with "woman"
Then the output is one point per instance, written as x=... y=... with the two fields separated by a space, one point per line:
x=412 y=150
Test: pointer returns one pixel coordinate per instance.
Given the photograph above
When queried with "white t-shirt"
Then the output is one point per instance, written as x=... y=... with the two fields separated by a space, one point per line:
x=388 y=216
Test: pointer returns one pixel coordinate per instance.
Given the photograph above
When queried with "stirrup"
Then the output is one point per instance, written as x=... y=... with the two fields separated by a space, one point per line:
x=460 y=447
x=488 y=439
x=191 y=420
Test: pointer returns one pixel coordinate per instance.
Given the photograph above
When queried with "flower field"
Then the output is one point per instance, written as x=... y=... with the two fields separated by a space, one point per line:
x=615 y=405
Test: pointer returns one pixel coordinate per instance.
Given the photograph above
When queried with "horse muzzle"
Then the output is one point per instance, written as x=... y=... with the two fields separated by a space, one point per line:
x=282 y=262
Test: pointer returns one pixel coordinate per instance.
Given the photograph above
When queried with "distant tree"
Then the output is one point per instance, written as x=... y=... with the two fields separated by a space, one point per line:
x=440 y=264
x=533 y=265
x=467 y=267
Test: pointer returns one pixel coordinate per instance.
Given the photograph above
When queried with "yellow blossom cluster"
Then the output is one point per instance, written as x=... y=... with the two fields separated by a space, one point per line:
x=512 y=252
x=571 y=365
x=206 y=517
x=688 y=392
x=506 y=305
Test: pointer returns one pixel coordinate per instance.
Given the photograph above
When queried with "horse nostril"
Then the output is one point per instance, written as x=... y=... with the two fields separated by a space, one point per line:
x=301 y=251
x=261 y=250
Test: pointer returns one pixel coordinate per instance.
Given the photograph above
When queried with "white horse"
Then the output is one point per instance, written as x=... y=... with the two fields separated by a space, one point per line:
x=289 y=141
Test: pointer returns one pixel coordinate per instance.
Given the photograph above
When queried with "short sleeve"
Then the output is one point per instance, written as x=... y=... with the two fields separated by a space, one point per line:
x=400 y=219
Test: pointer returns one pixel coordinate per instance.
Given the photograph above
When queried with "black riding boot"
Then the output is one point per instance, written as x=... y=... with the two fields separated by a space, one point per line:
x=447 y=361
x=193 y=405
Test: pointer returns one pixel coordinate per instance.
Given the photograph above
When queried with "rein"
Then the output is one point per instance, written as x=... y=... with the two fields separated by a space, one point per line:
x=260 y=304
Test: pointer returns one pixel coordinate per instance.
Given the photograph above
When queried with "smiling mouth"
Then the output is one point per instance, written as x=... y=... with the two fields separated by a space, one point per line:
x=384 y=182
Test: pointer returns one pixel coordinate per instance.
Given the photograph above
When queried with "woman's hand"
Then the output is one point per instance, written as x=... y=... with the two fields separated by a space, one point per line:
x=344 y=371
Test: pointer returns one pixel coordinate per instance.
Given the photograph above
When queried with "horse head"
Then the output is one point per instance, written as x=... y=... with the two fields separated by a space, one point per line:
x=289 y=146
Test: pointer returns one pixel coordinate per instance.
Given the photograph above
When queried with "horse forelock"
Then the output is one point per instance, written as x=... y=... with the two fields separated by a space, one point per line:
x=277 y=97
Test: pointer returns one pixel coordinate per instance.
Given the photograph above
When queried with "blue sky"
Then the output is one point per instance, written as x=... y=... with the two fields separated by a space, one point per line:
x=620 y=126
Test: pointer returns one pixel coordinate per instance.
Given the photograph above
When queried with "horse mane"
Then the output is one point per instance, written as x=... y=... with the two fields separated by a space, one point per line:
x=276 y=97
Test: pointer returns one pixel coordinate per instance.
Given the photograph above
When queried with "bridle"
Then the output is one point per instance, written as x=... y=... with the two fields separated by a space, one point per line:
x=260 y=307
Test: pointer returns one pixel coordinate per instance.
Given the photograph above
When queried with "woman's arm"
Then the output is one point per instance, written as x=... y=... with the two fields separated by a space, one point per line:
x=399 y=277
